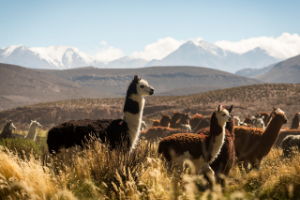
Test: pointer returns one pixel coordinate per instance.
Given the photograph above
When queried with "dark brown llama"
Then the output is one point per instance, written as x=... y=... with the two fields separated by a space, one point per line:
x=253 y=144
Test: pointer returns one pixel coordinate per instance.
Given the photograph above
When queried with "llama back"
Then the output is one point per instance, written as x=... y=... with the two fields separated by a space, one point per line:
x=75 y=132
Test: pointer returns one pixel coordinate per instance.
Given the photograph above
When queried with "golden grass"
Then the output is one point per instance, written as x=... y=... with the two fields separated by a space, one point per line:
x=95 y=172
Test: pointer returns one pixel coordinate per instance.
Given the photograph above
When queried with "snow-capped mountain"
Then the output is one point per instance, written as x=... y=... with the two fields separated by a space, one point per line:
x=205 y=54
x=191 y=53
x=53 y=57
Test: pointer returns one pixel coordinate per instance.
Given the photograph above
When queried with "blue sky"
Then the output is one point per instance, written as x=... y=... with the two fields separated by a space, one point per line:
x=131 y=25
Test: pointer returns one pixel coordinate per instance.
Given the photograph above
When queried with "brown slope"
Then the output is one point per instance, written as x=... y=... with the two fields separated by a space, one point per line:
x=23 y=86
x=163 y=79
x=287 y=71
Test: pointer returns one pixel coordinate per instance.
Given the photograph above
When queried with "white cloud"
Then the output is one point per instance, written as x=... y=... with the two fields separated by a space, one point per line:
x=159 y=49
x=285 y=46
x=108 y=53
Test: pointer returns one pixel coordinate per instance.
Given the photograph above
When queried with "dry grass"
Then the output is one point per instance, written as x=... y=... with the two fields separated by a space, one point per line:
x=97 y=173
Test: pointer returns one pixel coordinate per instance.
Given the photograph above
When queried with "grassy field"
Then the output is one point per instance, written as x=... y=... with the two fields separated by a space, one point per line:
x=28 y=172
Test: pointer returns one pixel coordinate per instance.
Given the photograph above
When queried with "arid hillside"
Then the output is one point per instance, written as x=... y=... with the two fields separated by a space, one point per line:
x=247 y=100
x=22 y=86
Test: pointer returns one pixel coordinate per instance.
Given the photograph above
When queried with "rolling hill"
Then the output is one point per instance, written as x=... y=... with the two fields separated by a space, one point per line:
x=23 y=86
x=165 y=80
x=252 y=73
x=287 y=71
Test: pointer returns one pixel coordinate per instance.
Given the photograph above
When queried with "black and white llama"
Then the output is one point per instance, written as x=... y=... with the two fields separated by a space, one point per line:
x=120 y=132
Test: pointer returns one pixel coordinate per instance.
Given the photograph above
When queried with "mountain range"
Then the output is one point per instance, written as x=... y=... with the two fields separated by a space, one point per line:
x=191 y=53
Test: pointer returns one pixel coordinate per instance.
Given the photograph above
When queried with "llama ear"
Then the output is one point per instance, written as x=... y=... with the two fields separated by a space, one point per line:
x=263 y=117
x=136 y=77
x=220 y=107
x=274 y=108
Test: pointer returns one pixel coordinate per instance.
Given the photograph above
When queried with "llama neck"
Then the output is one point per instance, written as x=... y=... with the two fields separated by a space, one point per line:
x=295 y=122
x=270 y=134
x=31 y=133
x=133 y=113
x=215 y=139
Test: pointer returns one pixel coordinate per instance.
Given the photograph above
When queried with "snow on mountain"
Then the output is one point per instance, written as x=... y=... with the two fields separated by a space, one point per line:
x=191 y=53
x=52 y=57
x=209 y=55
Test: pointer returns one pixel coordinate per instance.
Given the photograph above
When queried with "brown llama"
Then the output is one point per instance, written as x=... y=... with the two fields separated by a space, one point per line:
x=248 y=120
x=154 y=133
x=201 y=150
x=8 y=129
x=175 y=117
x=285 y=132
x=295 y=121
x=205 y=122
x=155 y=122
x=253 y=144
x=263 y=115
x=185 y=119
x=225 y=160
x=195 y=120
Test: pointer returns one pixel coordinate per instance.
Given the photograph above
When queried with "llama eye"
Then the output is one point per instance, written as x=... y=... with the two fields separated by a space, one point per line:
x=223 y=115
x=142 y=86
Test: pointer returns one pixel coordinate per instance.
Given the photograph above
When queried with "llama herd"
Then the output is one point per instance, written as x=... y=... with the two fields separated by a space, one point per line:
x=9 y=127
x=212 y=143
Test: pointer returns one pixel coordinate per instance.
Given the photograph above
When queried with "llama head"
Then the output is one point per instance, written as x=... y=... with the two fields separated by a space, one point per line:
x=279 y=114
x=185 y=116
x=10 y=125
x=259 y=122
x=142 y=87
x=35 y=124
x=165 y=118
x=222 y=115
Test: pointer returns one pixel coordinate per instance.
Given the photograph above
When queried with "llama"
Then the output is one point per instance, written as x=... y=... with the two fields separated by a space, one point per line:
x=155 y=122
x=164 y=121
x=186 y=127
x=259 y=122
x=195 y=120
x=253 y=144
x=284 y=134
x=295 y=121
x=175 y=117
x=225 y=160
x=32 y=130
x=237 y=120
x=143 y=125
x=185 y=119
x=154 y=133
x=265 y=116
x=290 y=142
x=8 y=129
x=201 y=150
x=205 y=122
x=117 y=133
x=248 y=120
